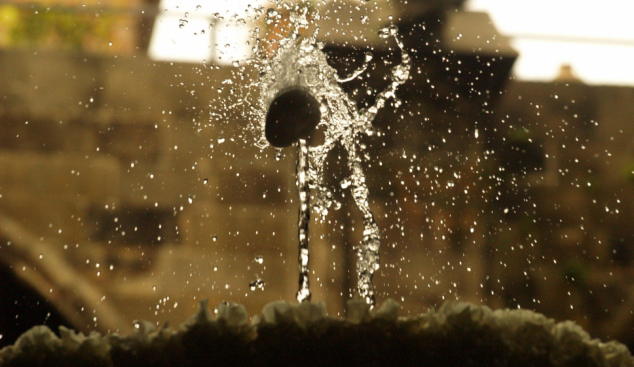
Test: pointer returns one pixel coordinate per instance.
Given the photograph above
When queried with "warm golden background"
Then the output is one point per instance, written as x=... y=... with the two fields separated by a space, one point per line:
x=129 y=189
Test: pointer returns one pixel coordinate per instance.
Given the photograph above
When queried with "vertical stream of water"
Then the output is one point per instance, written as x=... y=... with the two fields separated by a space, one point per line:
x=303 y=294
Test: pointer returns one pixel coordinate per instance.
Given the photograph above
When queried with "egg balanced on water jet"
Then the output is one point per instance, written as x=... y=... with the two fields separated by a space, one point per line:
x=291 y=117
x=299 y=91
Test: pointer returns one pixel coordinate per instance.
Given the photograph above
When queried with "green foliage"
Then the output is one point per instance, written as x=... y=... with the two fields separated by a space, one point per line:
x=628 y=172
x=57 y=28
x=520 y=135
x=578 y=272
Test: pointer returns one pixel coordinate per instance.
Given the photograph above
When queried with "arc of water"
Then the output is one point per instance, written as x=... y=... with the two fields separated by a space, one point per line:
x=368 y=251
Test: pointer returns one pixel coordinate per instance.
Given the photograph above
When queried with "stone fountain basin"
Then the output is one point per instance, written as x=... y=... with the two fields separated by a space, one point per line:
x=457 y=334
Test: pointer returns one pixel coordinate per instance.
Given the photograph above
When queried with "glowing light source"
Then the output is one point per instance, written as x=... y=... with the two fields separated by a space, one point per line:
x=595 y=38
x=187 y=31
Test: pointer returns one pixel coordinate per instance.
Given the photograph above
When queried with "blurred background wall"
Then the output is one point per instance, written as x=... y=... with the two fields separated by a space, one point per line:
x=130 y=188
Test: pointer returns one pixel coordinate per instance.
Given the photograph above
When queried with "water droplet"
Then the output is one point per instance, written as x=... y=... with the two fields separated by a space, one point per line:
x=190 y=199
x=365 y=19
x=198 y=7
x=221 y=140
x=400 y=73
x=205 y=181
x=214 y=238
x=215 y=268
x=259 y=259
x=109 y=43
x=256 y=284
x=386 y=32
x=271 y=15
x=182 y=23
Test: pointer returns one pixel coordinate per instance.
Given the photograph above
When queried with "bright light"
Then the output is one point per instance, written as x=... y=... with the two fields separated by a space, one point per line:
x=595 y=38
x=592 y=63
x=231 y=42
x=171 y=42
x=197 y=31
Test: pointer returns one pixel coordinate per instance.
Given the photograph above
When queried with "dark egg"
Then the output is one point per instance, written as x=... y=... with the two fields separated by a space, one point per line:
x=292 y=115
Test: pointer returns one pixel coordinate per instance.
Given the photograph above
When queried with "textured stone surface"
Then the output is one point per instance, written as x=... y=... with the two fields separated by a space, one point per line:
x=457 y=334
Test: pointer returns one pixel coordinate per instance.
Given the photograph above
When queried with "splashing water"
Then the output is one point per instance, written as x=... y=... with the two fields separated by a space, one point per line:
x=300 y=62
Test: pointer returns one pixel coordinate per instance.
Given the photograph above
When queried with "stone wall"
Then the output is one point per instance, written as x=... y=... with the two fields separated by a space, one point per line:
x=111 y=158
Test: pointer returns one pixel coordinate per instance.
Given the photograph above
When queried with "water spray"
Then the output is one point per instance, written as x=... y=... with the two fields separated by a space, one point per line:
x=299 y=92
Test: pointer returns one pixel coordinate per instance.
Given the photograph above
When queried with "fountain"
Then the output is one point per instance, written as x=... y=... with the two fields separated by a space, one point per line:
x=300 y=92
x=299 y=78
x=291 y=118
